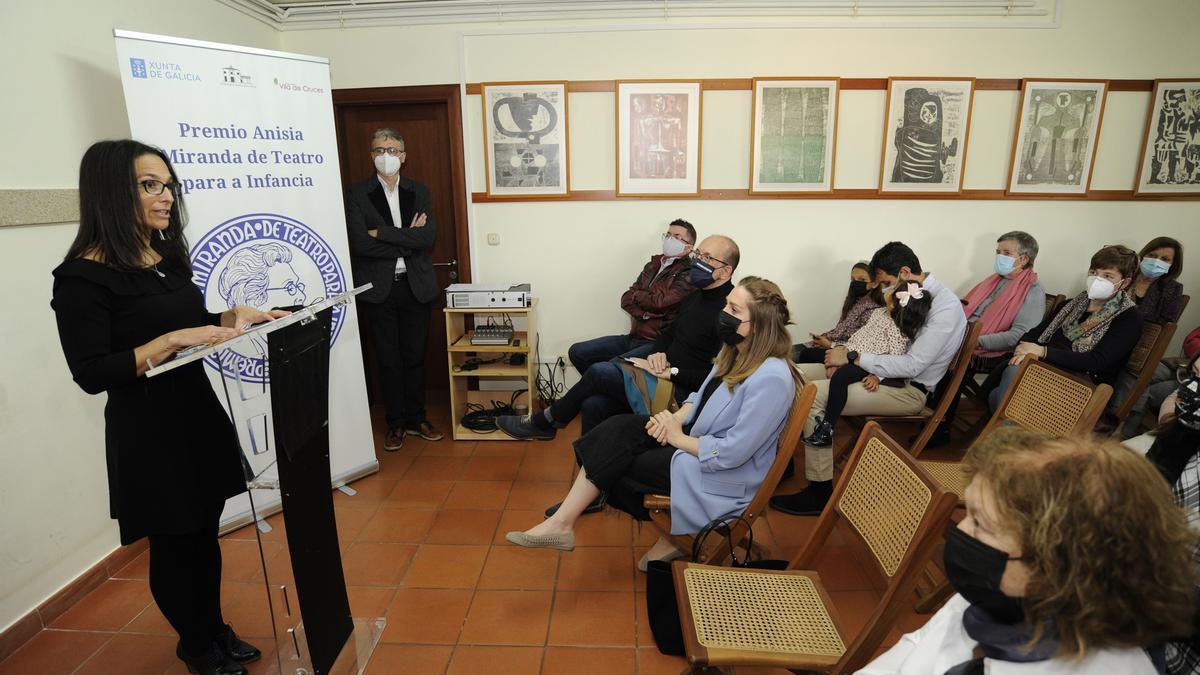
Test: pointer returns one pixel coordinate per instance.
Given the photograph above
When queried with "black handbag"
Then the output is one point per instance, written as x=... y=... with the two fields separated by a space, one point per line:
x=661 y=605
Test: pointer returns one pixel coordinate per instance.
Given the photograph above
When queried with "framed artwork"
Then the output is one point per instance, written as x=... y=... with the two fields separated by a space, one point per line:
x=1055 y=144
x=793 y=135
x=1171 y=149
x=925 y=133
x=525 y=138
x=658 y=138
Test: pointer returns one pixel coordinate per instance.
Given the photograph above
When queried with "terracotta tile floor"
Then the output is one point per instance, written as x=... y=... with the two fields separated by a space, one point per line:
x=423 y=545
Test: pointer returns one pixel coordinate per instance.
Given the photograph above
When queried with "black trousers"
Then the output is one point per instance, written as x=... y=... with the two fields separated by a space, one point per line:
x=399 y=329
x=185 y=580
x=624 y=461
x=802 y=354
x=842 y=378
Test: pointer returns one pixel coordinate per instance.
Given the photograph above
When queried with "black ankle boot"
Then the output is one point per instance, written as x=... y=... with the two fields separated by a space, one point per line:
x=236 y=648
x=810 y=501
x=214 y=661
x=822 y=435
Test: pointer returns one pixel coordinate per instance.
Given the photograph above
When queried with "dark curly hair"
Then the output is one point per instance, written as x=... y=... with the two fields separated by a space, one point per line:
x=910 y=318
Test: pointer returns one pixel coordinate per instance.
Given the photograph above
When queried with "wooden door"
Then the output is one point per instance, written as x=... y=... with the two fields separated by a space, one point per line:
x=430 y=120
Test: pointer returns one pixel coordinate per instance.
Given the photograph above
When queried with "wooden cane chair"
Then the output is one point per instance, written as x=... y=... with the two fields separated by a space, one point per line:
x=930 y=418
x=896 y=514
x=1142 y=363
x=718 y=549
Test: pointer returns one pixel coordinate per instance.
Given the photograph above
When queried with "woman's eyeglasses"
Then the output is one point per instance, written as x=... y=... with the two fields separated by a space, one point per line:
x=154 y=188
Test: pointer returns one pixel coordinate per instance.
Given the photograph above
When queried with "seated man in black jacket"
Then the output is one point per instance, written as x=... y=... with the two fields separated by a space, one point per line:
x=683 y=352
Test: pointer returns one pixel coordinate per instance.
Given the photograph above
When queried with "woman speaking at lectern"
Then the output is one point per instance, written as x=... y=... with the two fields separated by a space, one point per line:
x=124 y=301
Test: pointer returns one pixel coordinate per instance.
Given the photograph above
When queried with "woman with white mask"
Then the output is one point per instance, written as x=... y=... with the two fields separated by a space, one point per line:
x=1091 y=335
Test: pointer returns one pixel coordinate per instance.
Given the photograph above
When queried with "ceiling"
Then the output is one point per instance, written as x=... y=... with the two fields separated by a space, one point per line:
x=322 y=14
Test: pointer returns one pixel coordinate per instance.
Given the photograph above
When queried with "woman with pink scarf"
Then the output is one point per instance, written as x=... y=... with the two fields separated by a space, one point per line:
x=1007 y=304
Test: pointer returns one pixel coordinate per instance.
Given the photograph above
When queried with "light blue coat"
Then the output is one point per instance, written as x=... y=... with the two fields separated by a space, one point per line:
x=738 y=431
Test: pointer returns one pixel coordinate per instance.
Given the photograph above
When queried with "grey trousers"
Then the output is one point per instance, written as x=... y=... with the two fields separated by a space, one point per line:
x=906 y=400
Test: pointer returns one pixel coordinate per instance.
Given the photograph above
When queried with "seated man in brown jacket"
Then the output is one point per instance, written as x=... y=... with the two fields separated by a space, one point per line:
x=652 y=302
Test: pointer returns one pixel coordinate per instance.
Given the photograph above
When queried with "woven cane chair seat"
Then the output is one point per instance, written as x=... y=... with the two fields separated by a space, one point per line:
x=949 y=475
x=777 y=613
x=885 y=501
x=1047 y=401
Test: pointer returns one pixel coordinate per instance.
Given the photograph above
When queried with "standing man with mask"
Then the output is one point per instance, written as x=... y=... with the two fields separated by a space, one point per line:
x=652 y=302
x=683 y=352
x=391 y=231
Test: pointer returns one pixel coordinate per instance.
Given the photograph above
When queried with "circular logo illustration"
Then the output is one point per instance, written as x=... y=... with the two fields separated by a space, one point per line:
x=264 y=260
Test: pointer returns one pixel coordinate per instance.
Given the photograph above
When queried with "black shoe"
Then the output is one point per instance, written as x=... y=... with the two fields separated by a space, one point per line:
x=810 y=501
x=214 y=661
x=236 y=648
x=394 y=440
x=595 y=507
x=822 y=435
x=521 y=427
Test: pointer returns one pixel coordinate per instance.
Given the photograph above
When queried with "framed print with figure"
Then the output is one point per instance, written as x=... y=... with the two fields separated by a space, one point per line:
x=658 y=138
x=525 y=138
x=1054 y=148
x=793 y=135
x=926 y=129
x=1171 y=149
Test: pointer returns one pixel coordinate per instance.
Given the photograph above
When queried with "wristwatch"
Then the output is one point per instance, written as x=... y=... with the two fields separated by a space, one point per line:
x=851 y=357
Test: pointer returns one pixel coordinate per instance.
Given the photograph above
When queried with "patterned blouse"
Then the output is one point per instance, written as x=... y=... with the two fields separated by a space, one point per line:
x=855 y=319
x=880 y=335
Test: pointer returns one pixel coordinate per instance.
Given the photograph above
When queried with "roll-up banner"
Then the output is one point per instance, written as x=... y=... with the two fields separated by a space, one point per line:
x=251 y=136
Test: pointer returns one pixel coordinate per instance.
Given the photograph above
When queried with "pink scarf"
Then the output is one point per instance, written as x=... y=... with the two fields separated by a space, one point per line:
x=1001 y=313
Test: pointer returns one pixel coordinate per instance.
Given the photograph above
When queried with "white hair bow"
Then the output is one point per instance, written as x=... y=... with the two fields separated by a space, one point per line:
x=914 y=291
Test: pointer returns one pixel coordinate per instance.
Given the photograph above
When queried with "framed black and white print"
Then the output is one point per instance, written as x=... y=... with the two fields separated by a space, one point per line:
x=525 y=139
x=1054 y=147
x=1170 y=160
x=925 y=135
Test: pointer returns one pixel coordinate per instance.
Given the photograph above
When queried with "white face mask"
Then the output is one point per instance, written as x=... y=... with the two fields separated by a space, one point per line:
x=387 y=164
x=1099 y=288
x=673 y=248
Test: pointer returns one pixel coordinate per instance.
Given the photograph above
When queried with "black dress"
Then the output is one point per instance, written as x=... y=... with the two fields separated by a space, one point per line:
x=172 y=452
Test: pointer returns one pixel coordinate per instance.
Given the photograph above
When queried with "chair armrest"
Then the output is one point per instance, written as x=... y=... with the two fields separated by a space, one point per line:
x=657 y=502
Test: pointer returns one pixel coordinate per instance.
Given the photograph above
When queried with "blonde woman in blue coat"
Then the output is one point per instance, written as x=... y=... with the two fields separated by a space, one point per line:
x=713 y=453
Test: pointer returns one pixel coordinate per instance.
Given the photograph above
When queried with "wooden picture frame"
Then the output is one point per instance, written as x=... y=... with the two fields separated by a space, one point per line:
x=817 y=95
x=1044 y=160
x=525 y=139
x=917 y=112
x=658 y=138
x=1169 y=164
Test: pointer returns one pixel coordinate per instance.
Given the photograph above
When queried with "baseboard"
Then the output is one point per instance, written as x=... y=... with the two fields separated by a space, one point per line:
x=25 y=628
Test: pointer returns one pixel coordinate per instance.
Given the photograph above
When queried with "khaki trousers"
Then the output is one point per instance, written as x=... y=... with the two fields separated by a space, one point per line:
x=906 y=400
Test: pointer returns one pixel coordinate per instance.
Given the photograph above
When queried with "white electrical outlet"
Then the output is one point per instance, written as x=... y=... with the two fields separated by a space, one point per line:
x=493 y=239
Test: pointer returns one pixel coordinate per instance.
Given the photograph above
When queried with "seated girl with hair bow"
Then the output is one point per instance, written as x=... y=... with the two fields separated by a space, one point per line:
x=888 y=330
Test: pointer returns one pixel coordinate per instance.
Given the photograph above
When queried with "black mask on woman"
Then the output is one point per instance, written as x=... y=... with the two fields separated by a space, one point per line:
x=858 y=288
x=974 y=570
x=727 y=325
x=701 y=274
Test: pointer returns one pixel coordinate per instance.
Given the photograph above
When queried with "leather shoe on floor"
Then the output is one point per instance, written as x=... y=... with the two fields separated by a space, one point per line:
x=238 y=649
x=562 y=542
x=808 y=502
x=521 y=427
x=214 y=661
x=424 y=430
x=394 y=440
x=595 y=507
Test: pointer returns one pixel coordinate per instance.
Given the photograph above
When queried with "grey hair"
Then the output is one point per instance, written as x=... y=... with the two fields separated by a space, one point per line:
x=1026 y=244
x=388 y=132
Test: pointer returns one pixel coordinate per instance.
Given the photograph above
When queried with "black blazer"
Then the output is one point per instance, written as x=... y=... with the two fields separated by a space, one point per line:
x=373 y=259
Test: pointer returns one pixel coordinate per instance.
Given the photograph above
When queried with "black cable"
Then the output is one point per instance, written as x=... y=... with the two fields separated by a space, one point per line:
x=481 y=420
x=550 y=388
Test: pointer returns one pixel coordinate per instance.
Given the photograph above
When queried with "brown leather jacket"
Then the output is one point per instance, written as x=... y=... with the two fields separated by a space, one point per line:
x=653 y=299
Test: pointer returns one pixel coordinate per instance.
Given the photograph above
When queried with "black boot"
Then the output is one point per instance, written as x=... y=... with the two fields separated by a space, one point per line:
x=940 y=437
x=810 y=501
x=214 y=661
x=236 y=648
x=822 y=435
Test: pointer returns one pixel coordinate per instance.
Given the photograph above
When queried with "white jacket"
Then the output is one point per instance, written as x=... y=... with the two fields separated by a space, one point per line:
x=943 y=643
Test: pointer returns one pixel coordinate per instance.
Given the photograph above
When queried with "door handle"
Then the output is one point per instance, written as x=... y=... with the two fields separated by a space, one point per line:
x=453 y=265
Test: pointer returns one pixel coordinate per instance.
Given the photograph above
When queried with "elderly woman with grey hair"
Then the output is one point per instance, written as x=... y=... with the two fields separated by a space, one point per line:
x=1007 y=303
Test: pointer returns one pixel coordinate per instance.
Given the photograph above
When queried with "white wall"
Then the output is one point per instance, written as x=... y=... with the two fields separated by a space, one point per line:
x=581 y=255
x=62 y=92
